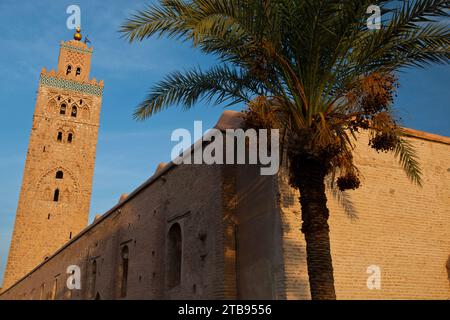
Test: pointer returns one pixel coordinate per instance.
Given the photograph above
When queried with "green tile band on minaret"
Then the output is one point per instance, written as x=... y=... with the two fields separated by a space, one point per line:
x=56 y=188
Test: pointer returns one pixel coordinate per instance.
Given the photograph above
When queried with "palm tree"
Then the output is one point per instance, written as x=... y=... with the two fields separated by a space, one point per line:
x=314 y=69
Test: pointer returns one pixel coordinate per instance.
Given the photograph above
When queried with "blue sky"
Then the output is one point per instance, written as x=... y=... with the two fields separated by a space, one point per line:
x=129 y=151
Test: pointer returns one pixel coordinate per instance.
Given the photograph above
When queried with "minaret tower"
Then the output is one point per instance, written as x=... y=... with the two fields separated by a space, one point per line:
x=57 y=182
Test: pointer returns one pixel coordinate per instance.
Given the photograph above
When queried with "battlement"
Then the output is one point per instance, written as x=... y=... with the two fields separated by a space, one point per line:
x=57 y=182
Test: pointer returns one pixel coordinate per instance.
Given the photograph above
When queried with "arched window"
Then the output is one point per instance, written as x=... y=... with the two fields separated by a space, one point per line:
x=42 y=292
x=93 y=278
x=59 y=174
x=69 y=69
x=174 y=255
x=124 y=272
x=78 y=71
x=52 y=105
x=62 y=109
x=59 y=138
x=56 y=195
x=70 y=137
x=54 y=289
x=74 y=112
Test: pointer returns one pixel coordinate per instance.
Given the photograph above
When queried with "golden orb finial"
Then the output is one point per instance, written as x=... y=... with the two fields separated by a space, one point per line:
x=77 y=36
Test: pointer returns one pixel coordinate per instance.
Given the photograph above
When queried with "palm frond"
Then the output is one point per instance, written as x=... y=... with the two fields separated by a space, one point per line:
x=307 y=55
x=408 y=158
x=219 y=84
x=412 y=37
x=343 y=199
x=165 y=18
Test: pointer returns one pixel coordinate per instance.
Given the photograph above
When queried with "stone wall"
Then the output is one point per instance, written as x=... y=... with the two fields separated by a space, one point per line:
x=241 y=235
x=389 y=222
x=141 y=222
x=57 y=181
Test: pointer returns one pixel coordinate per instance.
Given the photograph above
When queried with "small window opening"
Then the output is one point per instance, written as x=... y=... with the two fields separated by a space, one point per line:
x=54 y=290
x=56 y=195
x=59 y=136
x=42 y=290
x=78 y=71
x=74 y=112
x=70 y=138
x=124 y=272
x=62 y=110
x=174 y=253
x=94 y=278
x=59 y=174
x=68 y=70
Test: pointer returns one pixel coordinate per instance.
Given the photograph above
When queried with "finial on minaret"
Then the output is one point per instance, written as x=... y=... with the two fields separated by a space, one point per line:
x=77 y=36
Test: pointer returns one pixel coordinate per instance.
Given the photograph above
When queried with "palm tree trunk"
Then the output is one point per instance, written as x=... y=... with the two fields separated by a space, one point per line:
x=308 y=176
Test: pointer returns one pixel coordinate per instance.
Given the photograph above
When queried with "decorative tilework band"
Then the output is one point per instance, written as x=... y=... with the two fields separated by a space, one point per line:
x=75 y=49
x=86 y=88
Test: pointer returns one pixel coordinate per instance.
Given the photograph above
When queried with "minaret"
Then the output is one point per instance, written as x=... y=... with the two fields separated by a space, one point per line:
x=57 y=182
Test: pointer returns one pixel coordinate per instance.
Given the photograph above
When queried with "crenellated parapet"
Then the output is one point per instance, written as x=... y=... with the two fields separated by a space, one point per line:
x=57 y=181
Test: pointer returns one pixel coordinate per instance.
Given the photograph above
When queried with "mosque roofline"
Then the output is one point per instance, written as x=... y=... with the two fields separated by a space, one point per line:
x=228 y=120
x=426 y=136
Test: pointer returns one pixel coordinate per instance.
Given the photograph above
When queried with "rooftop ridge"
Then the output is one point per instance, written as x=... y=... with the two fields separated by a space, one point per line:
x=228 y=120
x=426 y=135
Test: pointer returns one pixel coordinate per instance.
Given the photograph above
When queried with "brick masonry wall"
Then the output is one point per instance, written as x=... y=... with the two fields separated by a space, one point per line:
x=181 y=195
x=243 y=227
x=400 y=227
x=260 y=270
x=43 y=225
